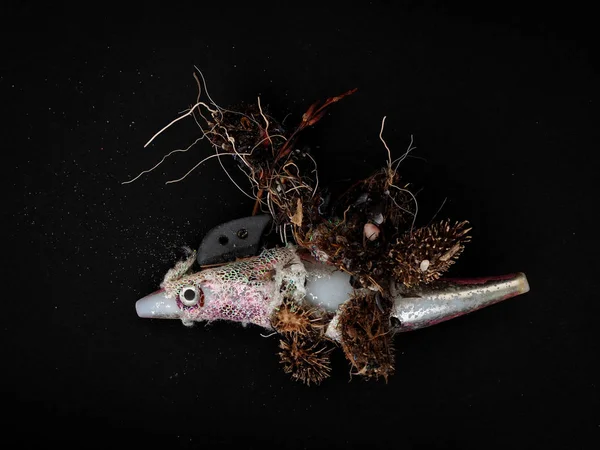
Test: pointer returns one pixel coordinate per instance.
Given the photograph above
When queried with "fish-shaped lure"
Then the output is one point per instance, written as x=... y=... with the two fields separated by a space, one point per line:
x=250 y=290
x=253 y=289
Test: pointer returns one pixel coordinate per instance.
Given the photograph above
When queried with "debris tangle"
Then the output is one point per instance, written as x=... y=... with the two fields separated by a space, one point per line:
x=369 y=232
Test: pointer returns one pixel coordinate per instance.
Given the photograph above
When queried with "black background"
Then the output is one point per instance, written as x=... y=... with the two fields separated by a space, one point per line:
x=502 y=103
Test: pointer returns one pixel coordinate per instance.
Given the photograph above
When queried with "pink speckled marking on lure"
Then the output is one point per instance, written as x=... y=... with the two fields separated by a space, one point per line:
x=245 y=291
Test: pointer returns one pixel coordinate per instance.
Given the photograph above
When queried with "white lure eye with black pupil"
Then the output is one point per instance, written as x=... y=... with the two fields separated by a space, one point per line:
x=189 y=295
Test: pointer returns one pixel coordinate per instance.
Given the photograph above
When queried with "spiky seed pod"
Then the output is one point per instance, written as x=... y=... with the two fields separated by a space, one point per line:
x=302 y=319
x=306 y=361
x=366 y=335
x=424 y=255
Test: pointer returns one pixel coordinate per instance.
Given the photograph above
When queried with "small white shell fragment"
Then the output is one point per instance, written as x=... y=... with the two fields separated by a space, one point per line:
x=371 y=231
x=424 y=265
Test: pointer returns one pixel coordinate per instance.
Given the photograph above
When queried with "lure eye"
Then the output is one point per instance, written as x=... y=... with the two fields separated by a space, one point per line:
x=191 y=295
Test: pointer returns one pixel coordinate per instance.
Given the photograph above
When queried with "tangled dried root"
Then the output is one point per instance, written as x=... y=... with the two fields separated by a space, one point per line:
x=424 y=255
x=306 y=361
x=366 y=334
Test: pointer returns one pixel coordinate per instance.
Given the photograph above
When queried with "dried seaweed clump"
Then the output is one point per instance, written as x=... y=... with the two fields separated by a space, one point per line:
x=424 y=255
x=305 y=352
x=367 y=336
x=364 y=223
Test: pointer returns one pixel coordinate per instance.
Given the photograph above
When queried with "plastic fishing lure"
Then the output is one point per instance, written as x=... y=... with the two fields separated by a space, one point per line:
x=255 y=289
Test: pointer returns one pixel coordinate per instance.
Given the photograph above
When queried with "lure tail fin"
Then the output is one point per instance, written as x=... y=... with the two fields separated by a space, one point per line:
x=442 y=300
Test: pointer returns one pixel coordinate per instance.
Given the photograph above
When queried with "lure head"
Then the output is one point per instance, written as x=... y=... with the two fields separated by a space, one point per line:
x=245 y=291
x=182 y=295
x=159 y=305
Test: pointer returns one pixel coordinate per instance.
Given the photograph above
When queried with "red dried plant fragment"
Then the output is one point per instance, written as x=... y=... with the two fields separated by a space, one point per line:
x=312 y=115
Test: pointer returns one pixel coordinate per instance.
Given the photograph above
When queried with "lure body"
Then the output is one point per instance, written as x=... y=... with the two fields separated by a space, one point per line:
x=249 y=291
x=246 y=291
